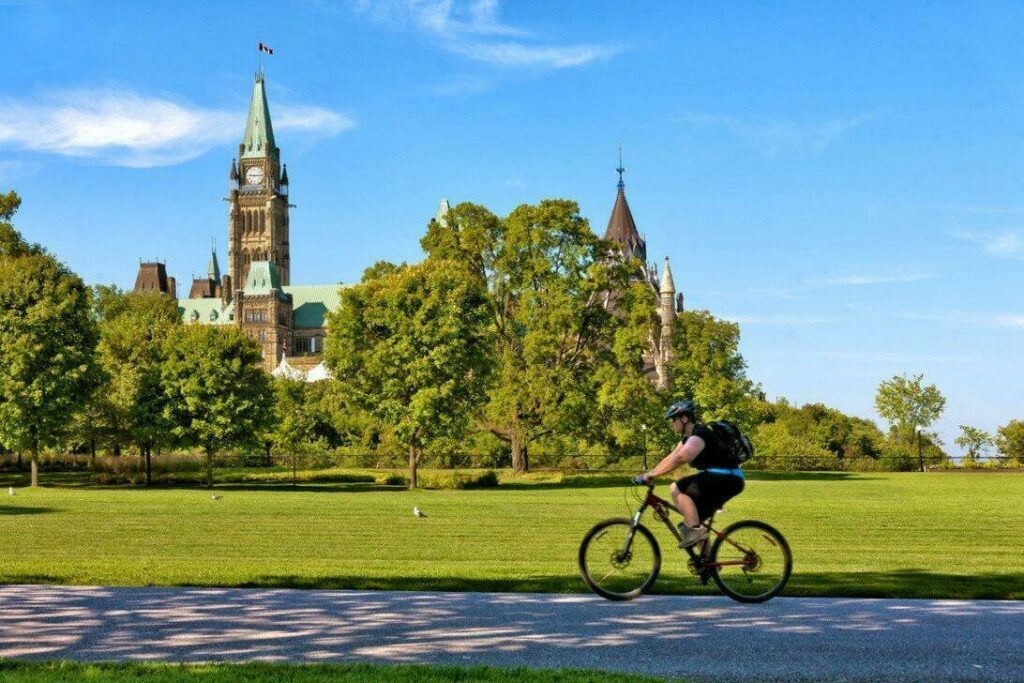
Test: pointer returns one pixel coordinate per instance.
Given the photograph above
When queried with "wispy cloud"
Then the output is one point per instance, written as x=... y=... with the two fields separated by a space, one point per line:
x=860 y=280
x=1011 y=320
x=1001 y=243
x=474 y=30
x=885 y=357
x=125 y=128
x=772 y=138
x=780 y=320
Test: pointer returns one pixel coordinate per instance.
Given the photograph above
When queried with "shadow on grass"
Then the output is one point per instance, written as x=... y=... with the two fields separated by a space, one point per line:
x=907 y=584
x=23 y=510
x=761 y=475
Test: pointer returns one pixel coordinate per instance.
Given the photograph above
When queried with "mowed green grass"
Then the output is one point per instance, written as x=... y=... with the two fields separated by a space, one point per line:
x=932 y=535
x=24 y=672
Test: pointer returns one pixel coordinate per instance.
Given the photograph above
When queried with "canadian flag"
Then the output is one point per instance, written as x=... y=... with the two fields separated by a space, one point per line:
x=266 y=48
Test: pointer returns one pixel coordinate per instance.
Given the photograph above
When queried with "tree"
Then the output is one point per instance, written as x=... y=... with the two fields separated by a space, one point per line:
x=906 y=404
x=47 y=342
x=707 y=368
x=216 y=396
x=975 y=441
x=547 y=278
x=133 y=330
x=409 y=345
x=297 y=430
x=1010 y=440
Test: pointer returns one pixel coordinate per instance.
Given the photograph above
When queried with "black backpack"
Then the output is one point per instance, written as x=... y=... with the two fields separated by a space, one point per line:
x=731 y=441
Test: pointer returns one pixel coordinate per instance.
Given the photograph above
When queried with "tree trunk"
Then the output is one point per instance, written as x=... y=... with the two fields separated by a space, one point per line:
x=149 y=466
x=35 y=464
x=92 y=454
x=295 y=476
x=209 y=468
x=520 y=457
x=20 y=464
x=414 y=458
x=266 y=449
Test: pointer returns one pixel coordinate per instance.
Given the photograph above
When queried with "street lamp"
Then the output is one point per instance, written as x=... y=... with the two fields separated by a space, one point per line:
x=643 y=430
x=920 y=453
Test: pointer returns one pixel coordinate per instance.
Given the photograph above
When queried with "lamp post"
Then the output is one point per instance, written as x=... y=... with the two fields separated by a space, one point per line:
x=920 y=452
x=643 y=430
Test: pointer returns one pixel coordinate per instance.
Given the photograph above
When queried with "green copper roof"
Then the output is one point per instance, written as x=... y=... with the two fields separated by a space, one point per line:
x=206 y=311
x=264 y=278
x=259 y=134
x=310 y=304
x=213 y=268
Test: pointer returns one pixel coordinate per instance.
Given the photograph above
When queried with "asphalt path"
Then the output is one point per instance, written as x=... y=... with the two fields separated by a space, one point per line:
x=699 y=638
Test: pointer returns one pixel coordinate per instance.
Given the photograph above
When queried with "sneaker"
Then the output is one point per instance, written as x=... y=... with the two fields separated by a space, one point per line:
x=691 y=535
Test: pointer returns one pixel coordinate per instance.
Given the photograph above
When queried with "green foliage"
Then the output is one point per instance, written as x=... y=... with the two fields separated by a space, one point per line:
x=217 y=396
x=300 y=428
x=906 y=403
x=133 y=331
x=47 y=342
x=1010 y=440
x=409 y=345
x=975 y=441
x=707 y=367
x=547 y=277
x=777 y=448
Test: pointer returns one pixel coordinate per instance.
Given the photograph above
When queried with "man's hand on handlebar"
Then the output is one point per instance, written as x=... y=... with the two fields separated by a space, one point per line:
x=641 y=480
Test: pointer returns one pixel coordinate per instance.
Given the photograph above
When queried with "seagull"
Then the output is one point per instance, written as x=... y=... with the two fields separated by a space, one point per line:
x=418 y=513
x=10 y=490
x=215 y=497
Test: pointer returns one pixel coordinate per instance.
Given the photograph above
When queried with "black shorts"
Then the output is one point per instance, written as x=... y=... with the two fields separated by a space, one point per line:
x=710 y=491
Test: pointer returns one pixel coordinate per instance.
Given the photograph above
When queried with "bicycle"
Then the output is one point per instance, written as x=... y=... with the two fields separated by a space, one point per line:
x=749 y=561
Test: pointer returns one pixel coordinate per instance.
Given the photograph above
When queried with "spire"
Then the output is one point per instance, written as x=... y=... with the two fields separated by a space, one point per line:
x=213 y=269
x=668 y=286
x=284 y=175
x=259 y=134
x=442 y=212
x=621 y=227
x=234 y=171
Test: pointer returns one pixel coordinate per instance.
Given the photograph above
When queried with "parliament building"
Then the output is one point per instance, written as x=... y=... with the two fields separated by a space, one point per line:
x=289 y=321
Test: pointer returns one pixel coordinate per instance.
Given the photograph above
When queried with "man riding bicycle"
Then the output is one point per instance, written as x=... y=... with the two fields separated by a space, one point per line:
x=697 y=496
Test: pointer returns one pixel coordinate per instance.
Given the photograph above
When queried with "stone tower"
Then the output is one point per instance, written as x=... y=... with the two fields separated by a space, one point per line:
x=258 y=196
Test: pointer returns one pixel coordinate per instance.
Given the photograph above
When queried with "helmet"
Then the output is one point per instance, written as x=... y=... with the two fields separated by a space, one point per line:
x=681 y=408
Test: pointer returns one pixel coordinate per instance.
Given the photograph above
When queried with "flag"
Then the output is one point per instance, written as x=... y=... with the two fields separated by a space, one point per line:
x=266 y=48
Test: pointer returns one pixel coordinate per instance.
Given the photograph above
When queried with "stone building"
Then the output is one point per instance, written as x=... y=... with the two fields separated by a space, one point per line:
x=622 y=231
x=256 y=294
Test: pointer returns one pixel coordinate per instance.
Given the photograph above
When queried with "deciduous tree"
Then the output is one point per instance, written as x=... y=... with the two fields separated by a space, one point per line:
x=47 y=342
x=409 y=344
x=216 y=396
x=975 y=441
x=1010 y=439
x=906 y=403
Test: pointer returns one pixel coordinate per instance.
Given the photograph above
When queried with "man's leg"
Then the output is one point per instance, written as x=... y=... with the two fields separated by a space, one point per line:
x=687 y=508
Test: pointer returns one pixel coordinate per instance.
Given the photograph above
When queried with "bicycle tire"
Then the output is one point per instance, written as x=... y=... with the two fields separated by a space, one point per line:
x=588 y=566
x=775 y=550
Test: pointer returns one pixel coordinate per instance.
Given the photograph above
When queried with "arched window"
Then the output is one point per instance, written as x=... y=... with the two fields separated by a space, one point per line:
x=262 y=222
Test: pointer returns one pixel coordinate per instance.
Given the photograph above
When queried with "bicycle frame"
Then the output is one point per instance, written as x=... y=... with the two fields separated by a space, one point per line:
x=661 y=509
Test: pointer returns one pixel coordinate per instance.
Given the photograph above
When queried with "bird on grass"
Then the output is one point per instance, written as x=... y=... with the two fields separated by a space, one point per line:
x=215 y=497
x=10 y=490
x=418 y=513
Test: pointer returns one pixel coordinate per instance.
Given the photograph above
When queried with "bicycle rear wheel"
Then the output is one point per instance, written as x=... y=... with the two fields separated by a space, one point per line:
x=618 y=562
x=751 y=562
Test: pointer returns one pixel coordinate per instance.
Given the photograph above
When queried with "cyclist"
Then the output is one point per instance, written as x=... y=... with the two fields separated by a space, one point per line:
x=697 y=496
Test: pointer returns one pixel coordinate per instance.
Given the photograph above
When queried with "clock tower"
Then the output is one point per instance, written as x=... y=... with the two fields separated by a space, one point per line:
x=258 y=196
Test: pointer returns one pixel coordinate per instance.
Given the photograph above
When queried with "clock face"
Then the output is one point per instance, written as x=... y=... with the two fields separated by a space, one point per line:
x=254 y=176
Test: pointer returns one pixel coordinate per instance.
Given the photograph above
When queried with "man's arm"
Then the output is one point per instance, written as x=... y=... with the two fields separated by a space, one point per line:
x=683 y=453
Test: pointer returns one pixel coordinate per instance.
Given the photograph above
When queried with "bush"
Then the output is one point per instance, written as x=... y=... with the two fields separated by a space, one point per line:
x=775 y=448
x=395 y=480
x=485 y=480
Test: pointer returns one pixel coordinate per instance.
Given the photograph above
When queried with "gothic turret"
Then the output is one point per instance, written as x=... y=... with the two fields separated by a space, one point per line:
x=258 y=140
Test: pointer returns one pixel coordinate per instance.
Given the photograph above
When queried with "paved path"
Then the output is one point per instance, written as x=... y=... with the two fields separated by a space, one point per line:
x=786 y=639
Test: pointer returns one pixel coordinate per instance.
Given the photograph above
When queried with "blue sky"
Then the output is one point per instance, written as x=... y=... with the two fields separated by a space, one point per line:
x=845 y=182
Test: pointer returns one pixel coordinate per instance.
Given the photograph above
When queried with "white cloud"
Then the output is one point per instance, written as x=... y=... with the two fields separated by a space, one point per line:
x=884 y=357
x=1010 y=320
x=780 y=320
x=124 y=128
x=772 y=138
x=858 y=280
x=1002 y=243
x=470 y=29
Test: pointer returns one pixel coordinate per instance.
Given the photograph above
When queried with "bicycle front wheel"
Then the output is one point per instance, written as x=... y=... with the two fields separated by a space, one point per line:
x=751 y=562
x=618 y=561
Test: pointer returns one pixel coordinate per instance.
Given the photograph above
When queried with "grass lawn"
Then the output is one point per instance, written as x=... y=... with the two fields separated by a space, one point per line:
x=19 y=672
x=951 y=535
